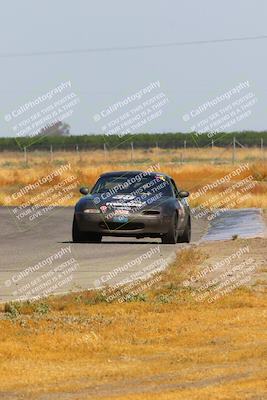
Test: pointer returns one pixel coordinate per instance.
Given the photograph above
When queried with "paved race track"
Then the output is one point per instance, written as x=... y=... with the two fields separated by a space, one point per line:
x=28 y=256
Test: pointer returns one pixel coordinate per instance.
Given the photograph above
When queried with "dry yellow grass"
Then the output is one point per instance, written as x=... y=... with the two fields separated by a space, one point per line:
x=166 y=347
x=192 y=175
x=219 y=155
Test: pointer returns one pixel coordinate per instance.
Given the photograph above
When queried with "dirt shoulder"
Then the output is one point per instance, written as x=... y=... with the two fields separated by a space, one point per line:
x=238 y=258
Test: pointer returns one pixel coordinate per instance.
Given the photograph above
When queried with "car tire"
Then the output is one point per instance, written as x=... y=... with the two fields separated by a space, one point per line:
x=84 y=237
x=171 y=236
x=186 y=235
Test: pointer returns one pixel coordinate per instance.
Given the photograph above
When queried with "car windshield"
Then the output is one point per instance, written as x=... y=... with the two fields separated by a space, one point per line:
x=133 y=184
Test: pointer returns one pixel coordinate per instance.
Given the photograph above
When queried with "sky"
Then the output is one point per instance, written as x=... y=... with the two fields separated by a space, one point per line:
x=188 y=75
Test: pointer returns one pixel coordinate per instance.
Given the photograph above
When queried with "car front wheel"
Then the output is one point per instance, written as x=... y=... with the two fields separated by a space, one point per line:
x=172 y=235
x=84 y=237
x=186 y=235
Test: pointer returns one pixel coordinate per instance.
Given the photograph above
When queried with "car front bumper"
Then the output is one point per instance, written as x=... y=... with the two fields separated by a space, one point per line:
x=137 y=226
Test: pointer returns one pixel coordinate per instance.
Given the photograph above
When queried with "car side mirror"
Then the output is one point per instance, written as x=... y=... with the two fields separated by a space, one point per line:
x=183 y=193
x=84 y=190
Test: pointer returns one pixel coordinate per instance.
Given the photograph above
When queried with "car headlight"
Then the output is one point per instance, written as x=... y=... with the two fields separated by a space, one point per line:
x=91 y=211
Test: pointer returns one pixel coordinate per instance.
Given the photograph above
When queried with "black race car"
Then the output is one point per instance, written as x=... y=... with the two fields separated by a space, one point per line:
x=134 y=204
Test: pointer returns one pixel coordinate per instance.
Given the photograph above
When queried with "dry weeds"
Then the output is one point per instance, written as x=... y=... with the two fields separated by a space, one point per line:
x=80 y=347
x=198 y=170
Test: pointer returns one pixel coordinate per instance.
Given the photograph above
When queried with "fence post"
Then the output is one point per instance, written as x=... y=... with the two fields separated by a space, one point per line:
x=132 y=151
x=233 y=153
x=262 y=149
x=105 y=151
x=78 y=151
x=25 y=155
x=51 y=153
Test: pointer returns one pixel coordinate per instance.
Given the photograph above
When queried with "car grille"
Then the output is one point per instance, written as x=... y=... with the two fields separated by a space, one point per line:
x=150 y=212
x=120 y=226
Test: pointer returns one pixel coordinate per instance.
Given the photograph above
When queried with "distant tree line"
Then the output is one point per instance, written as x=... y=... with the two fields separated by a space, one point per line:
x=141 y=140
